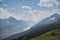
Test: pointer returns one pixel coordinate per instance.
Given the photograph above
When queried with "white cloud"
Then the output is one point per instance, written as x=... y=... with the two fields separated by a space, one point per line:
x=29 y=15
x=48 y=3
x=33 y=15
x=4 y=13
x=5 y=5
x=26 y=7
x=57 y=3
x=56 y=11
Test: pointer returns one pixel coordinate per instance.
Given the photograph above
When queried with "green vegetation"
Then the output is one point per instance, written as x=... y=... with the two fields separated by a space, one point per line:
x=52 y=35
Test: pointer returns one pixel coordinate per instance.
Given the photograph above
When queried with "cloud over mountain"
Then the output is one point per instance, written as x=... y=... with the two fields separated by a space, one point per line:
x=48 y=3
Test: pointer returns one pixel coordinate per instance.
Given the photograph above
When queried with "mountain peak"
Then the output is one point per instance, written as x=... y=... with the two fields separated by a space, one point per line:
x=11 y=18
x=55 y=15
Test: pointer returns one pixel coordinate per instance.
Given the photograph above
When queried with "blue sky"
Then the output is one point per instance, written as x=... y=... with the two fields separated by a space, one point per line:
x=28 y=10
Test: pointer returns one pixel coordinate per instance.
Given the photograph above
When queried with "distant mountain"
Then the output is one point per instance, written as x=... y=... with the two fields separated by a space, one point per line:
x=11 y=26
x=49 y=21
x=11 y=22
x=53 y=18
x=45 y=25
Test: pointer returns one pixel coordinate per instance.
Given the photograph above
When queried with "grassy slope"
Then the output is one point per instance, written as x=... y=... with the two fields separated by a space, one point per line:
x=52 y=35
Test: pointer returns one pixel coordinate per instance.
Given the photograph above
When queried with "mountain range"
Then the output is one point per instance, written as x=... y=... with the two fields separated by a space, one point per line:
x=11 y=26
x=11 y=22
x=45 y=25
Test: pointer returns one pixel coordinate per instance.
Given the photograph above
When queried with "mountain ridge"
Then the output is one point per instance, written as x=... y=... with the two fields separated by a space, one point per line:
x=11 y=26
x=38 y=29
